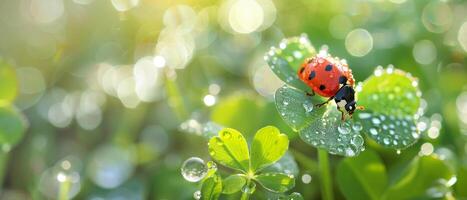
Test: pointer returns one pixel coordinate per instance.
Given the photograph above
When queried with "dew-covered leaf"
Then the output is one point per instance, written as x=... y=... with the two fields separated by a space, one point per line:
x=8 y=83
x=389 y=131
x=334 y=135
x=233 y=183
x=212 y=188
x=230 y=149
x=12 y=126
x=296 y=108
x=391 y=98
x=286 y=59
x=362 y=177
x=418 y=179
x=276 y=182
x=268 y=146
x=286 y=165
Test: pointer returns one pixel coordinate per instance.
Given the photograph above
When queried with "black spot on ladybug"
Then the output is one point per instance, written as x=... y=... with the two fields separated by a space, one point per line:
x=302 y=69
x=342 y=80
x=328 y=67
x=322 y=87
x=312 y=75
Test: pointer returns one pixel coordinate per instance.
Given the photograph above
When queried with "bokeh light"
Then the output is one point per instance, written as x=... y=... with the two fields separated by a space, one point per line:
x=359 y=42
x=424 y=52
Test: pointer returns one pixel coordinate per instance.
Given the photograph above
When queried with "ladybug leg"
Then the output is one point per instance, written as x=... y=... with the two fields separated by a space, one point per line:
x=324 y=103
x=310 y=94
x=342 y=116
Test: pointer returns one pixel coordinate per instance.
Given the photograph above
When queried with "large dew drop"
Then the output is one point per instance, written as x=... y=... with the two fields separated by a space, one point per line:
x=194 y=169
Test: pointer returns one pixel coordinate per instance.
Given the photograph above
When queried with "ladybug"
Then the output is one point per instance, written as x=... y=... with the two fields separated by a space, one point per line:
x=330 y=77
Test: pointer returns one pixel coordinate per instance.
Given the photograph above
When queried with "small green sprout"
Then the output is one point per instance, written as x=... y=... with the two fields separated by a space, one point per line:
x=250 y=166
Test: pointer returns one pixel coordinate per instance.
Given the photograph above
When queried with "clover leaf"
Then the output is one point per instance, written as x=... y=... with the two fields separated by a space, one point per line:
x=365 y=177
x=230 y=149
x=391 y=99
x=285 y=59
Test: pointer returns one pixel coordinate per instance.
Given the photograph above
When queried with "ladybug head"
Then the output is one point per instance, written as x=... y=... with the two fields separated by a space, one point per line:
x=345 y=100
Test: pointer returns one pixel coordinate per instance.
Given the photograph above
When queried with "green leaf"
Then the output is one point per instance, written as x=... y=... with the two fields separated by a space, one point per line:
x=233 y=183
x=334 y=135
x=12 y=126
x=389 y=131
x=416 y=180
x=362 y=177
x=296 y=108
x=286 y=59
x=8 y=83
x=269 y=145
x=461 y=182
x=285 y=165
x=212 y=188
x=230 y=149
x=276 y=182
x=392 y=99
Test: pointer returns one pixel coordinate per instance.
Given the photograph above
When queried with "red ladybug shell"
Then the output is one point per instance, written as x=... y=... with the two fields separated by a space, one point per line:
x=322 y=74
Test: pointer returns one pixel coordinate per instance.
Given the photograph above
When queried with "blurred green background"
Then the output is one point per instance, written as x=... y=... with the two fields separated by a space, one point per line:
x=117 y=92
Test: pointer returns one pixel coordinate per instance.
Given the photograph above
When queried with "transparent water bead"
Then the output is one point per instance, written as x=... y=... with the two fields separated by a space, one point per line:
x=249 y=188
x=197 y=195
x=194 y=169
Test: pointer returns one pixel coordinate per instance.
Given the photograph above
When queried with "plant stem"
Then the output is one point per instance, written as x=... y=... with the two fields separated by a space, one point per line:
x=246 y=194
x=326 y=181
x=64 y=190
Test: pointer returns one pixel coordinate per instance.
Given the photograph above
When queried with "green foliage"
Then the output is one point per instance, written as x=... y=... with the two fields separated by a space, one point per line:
x=392 y=99
x=233 y=183
x=276 y=182
x=212 y=188
x=362 y=177
x=230 y=149
x=265 y=140
x=12 y=126
x=240 y=109
x=365 y=177
x=8 y=83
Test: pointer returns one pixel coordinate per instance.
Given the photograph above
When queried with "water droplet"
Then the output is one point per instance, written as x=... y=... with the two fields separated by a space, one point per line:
x=297 y=54
x=391 y=132
x=373 y=131
x=349 y=152
x=386 y=141
x=306 y=178
x=211 y=165
x=364 y=115
x=308 y=106
x=375 y=121
x=357 y=126
x=285 y=103
x=249 y=189
x=194 y=169
x=357 y=140
x=344 y=128
x=226 y=135
x=398 y=151
x=197 y=195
